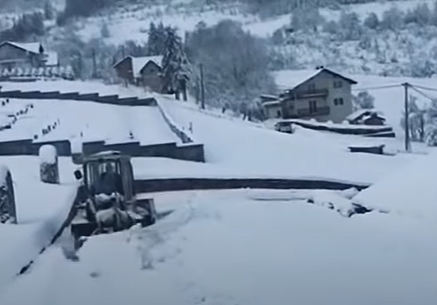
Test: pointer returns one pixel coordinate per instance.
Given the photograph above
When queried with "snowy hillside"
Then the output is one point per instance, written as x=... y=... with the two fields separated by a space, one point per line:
x=185 y=15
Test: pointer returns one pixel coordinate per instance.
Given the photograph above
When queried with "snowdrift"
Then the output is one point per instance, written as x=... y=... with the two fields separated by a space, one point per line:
x=411 y=190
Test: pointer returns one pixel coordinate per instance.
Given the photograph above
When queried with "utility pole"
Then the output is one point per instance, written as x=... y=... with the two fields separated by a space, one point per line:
x=407 y=116
x=80 y=65
x=94 y=63
x=202 y=87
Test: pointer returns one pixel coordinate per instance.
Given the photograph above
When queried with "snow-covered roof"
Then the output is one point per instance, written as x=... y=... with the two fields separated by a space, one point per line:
x=290 y=79
x=364 y=112
x=139 y=63
x=29 y=46
x=271 y=103
x=357 y=114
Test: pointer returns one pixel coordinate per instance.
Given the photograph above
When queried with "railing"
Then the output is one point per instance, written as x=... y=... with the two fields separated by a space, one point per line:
x=325 y=110
x=305 y=94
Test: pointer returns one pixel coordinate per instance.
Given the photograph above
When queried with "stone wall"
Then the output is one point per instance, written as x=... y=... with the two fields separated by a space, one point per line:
x=63 y=147
x=91 y=97
x=18 y=147
x=191 y=152
x=185 y=184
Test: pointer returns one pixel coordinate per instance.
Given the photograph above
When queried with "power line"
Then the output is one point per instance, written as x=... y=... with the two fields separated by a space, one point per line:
x=430 y=97
x=425 y=88
x=377 y=87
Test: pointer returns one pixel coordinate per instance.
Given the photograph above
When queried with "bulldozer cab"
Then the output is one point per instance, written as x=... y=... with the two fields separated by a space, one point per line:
x=95 y=166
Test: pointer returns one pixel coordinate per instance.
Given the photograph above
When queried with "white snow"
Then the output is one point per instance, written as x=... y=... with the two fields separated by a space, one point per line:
x=30 y=46
x=139 y=63
x=97 y=122
x=225 y=248
x=48 y=154
x=41 y=208
x=293 y=78
x=254 y=151
x=410 y=190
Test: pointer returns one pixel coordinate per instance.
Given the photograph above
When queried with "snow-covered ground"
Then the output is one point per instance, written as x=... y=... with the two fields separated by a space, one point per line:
x=41 y=209
x=281 y=247
x=409 y=190
x=254 y=151
x=237 y=248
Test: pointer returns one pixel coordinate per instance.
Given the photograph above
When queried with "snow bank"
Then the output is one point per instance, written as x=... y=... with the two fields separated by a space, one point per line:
x=411 y=190
x=223 y=248
x=22 y=243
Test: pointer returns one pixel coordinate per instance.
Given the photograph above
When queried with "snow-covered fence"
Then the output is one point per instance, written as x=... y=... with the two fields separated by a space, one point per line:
x=49 y=168
x=37 y=73
x=8 y=212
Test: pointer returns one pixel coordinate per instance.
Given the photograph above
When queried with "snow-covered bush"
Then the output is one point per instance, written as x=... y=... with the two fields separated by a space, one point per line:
x=49 y=168
x=431 y=134
x=7 y=199
x=364 y=100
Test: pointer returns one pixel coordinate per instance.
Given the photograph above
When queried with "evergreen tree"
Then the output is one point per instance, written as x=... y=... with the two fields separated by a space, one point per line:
x=174 y=63
x=157 y=39
x=49 y=10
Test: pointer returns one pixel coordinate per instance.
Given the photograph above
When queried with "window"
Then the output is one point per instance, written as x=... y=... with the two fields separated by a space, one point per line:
x=338 y=101
x=313 y=106
x=338 y=84
x=311 y=87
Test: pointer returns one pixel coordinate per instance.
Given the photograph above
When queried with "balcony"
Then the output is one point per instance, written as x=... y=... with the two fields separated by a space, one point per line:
x=306 y=112
x=293 y=95
x=312 y=93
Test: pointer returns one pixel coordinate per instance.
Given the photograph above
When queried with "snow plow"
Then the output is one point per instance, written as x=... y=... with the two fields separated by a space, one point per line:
x=107 y=201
